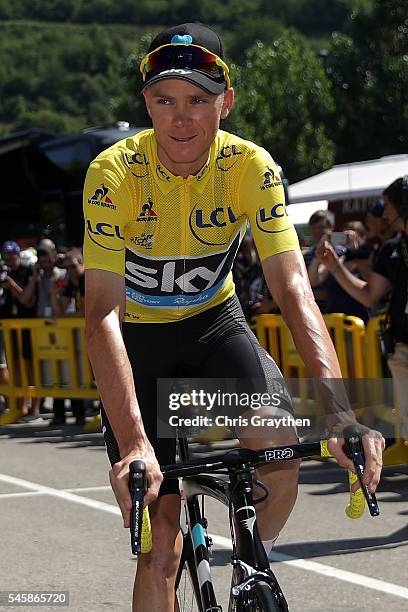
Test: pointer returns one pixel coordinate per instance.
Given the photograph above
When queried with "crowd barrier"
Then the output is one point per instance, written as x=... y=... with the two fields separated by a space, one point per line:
x=45 y=358
x=48 y=358
x=359 y=354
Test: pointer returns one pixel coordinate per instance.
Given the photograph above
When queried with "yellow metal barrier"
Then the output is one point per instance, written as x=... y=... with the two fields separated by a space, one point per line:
x=359 y=354
x=58 y=366
x=347 y=334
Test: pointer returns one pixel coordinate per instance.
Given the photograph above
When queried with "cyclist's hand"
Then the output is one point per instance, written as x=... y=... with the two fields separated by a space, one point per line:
x=119 y=479
x=373 y=444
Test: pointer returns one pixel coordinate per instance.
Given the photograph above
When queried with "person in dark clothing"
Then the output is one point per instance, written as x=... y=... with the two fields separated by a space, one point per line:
x=390 y=273
x=17 y=275
x=68 y=301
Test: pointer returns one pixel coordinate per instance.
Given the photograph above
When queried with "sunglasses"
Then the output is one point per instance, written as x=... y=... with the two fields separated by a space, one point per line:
x=185 y=56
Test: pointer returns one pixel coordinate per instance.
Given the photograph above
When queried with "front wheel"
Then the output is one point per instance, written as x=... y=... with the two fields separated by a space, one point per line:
x=187 y=586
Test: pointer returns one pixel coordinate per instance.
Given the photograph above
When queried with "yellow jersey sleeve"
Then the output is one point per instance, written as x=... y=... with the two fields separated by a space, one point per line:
x=262 y=199
x=107 y=207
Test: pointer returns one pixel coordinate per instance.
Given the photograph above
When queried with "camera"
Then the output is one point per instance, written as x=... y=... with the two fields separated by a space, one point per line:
x=3 y=273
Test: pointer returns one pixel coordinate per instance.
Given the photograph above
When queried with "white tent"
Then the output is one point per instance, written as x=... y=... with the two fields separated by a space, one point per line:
x=346 y=181
x=300 y=213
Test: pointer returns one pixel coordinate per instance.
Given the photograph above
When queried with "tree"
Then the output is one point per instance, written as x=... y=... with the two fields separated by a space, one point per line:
x=128 y=104
x=368 y=67
x=283 y=102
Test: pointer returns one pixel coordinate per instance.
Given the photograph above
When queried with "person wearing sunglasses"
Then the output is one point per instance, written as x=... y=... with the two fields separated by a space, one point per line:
x=165 y=212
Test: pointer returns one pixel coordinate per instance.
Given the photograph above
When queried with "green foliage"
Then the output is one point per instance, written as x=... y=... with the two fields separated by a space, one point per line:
x=63 y=78
x=369 y=71
x=283 y=103
x=310 y=16
x=70 y=64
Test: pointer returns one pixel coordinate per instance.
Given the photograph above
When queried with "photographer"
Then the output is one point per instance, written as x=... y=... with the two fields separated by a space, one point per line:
x=378 y=230
x=37 y=294
x=390 y=273
x=14 y=277
x=337 y=300
x=70 y=300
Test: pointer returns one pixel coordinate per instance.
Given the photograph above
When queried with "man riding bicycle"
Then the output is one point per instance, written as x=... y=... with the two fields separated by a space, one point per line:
x=165 y=211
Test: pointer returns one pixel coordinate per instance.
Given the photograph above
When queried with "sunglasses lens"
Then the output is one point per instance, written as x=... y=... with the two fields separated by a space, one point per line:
x=177 y=56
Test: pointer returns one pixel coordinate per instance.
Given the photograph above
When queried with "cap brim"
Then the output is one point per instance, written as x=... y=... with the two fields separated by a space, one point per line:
x=193 y=76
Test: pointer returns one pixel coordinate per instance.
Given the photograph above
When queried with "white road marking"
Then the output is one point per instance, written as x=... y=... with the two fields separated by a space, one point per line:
x=35 y=493
x=25 y=494
x=65 y=495
x=221 y=541
x=327 y=570
x=89 y=489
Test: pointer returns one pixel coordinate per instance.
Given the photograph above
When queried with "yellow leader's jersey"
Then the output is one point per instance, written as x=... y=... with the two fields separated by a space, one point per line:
x=175 y=239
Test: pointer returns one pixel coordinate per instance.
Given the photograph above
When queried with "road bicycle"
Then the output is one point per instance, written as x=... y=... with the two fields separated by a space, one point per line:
x=229 y=479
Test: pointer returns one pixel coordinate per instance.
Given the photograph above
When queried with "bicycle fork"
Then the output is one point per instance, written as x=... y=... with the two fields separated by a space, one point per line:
x=201 y=544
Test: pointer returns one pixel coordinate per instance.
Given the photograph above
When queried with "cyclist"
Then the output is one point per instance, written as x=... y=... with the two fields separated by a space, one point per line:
x=165 y=211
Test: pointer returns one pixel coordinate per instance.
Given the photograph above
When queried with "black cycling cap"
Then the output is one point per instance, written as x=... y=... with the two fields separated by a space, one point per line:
x=181 y=59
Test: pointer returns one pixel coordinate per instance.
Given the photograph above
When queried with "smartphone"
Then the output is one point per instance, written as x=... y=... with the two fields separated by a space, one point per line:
x=338 y=239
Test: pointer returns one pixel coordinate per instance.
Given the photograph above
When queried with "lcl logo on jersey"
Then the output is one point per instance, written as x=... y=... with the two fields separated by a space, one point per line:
x=105 y=235
x=271 y=179
x=227 y=157
x=266 y=218
x=207 y=226
x=137 y=162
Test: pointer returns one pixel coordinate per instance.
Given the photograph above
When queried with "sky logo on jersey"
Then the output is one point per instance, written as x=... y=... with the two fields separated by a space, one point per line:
x=271 y=179
x=227 y=157
x=137 y=163
x=147 y=213
x=105 y=235
x=177 y=281
x=207 y=225
x=100 y=198
x=266 y=218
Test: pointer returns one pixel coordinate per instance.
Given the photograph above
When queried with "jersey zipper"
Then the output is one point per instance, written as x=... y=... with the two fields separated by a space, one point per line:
x=185 y=205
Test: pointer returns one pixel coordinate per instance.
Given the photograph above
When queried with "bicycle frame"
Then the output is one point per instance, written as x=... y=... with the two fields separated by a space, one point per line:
x=249 y=560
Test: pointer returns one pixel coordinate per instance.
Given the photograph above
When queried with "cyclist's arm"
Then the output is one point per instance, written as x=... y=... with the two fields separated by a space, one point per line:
x=104 y=307
x=287 y=278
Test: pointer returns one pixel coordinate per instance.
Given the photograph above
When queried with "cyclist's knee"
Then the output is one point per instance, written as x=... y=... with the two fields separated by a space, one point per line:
x=166 y=541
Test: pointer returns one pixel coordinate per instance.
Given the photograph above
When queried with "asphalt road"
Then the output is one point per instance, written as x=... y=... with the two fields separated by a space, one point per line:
x=54 y=537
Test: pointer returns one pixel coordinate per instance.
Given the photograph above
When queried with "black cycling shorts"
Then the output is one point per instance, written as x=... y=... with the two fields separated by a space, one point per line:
x=214 y=344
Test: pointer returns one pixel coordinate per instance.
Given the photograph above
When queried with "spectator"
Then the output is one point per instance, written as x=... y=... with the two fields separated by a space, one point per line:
x=390 y=273
x=321 y=224
x=379 y=229
x=37 y=294
x=17 y=276
x=331 y=297
x=40 y=293
x=70 y=300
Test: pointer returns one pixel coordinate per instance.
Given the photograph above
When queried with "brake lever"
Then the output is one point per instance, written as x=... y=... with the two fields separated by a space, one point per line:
x=354 y=450
x=137 y=485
